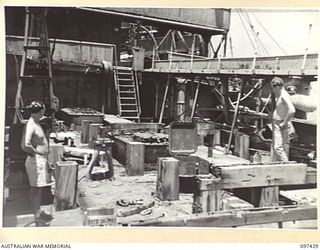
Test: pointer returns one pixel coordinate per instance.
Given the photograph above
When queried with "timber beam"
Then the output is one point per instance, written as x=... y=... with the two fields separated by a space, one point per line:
x=236 y=218
x=263 y=175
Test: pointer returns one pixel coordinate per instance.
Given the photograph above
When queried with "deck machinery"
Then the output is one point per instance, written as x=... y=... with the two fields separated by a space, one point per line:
x=170 y=53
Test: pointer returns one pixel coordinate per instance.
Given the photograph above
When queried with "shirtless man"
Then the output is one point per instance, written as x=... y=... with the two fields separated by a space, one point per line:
x=35 y=144
x=282 y=116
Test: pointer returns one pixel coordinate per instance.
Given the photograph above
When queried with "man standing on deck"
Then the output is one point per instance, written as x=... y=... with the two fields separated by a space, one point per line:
x=282 y=115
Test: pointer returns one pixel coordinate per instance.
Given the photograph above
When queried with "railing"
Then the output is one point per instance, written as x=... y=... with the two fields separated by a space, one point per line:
x=302 y=65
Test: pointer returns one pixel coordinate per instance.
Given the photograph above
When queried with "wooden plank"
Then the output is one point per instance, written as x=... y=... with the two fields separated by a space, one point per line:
x=239 y=218
x=113 y=119
x=136 y=126
x=303 y=196
x=219 y=158
x=311 y=175
x=263 y=175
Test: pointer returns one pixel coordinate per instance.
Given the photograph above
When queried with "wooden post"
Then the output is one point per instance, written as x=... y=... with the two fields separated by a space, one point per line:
x=217 y=137
x=242 y=145
x=94 y=131
x=66 y=176
x=56 y=151
x=207 y=195
x=135 y=158
x=269 y=196
x=168 y=179
x=85 y=131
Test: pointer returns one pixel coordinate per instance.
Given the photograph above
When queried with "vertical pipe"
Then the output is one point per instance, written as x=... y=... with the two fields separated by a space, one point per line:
x=157 y=100
x=225 y=45
x=153 y=55
x=192 y=50
x=225 y=87
x=181 y=102
x=164 y=99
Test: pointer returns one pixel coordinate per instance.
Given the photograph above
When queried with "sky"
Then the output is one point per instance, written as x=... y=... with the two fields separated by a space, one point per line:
x=290 y=28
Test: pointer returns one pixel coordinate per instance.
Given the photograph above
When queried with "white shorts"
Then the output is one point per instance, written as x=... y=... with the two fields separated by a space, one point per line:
x=37 y=167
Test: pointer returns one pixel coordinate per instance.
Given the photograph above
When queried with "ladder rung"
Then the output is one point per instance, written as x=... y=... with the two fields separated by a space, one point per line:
x=125 y=79
x=124 y=73
x=128 y=104
x=127 y=98
x=126 y=86
x=36 y=47
x=130 y=117
x=122 y=68
x=129 y=111
x=36 y=77
x=127 y=91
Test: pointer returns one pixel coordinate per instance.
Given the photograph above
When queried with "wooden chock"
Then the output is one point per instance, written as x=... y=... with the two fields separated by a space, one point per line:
x=207 y=195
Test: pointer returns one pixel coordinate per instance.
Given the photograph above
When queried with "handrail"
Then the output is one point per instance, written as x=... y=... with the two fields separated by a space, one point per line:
x=136 y=82
x=116 y=80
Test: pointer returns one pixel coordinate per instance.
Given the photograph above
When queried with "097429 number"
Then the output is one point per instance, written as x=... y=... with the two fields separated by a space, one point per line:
x=308 y=246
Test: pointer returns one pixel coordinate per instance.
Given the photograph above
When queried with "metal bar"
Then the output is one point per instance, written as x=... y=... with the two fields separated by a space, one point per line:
x=136 y=83
x=164 y=99
x=173 y=40
x=157 y=100
x=170 y=55
x=234 y=120
x=195 y=98
x=307 y=48
x=163 y=39
x=183 y=40
x=192 y=51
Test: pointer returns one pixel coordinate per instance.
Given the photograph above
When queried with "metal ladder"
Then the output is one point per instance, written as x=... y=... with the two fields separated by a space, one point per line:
x=127 y=89
x=36 y=18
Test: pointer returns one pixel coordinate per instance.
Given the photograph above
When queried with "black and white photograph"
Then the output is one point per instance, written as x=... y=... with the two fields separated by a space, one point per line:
x=148 y=117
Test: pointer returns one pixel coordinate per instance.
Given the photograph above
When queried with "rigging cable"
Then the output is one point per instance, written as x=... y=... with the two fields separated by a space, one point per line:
x=246 y=18
x=269 y=34
x=255 y=34
x=254 y=47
